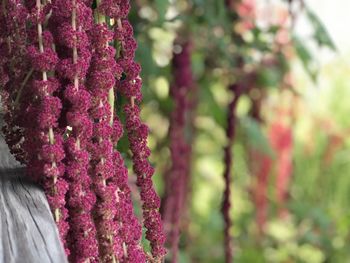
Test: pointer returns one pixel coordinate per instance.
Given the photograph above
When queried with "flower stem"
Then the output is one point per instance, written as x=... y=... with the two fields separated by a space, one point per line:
x=19 y=94
x=51 y=133
x=111 y=100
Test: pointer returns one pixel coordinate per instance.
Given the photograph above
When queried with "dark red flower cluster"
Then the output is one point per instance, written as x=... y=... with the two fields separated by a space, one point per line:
x=43 y=141
x=261 y=167
x=281 y=140
x=71 y=35
x=177 y=178
x=237 y=90
x=237 y=9
x=130 y=87
x=63 y=73
x=101 y=80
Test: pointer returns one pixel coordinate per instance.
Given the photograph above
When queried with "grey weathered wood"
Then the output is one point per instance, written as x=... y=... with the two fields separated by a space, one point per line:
x=27 y=231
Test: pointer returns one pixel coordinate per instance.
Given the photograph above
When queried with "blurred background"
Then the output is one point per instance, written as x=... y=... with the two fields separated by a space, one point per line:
x=291 y=169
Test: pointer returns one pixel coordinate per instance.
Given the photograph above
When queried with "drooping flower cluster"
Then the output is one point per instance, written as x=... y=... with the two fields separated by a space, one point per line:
x=243 y=15
x=101 y=80
x=71 y=35
x=261 y=166
x=62 y=77
x=177 y=178
x=236 y=89
x=281 y=140
x=137 y=131
x=264 y=164
x=43 y=141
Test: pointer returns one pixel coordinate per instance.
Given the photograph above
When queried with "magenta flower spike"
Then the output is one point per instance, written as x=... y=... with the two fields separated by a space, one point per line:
x=180 y=148
x=104 y=72
x=137 y=131
x=101 y=79
x=228 y=159
x=130 y=230
x=63 y=74
x=44 y=141
x=75 y=19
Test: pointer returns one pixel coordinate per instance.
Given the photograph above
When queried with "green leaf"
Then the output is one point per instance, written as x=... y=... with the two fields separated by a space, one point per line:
x=198 y=63
x=161 y=7
x=216 y=111
x=256 y=138
x=321 y=34
x=211 y=106
x=306 y=57
x=269 y=77
x=144 y=56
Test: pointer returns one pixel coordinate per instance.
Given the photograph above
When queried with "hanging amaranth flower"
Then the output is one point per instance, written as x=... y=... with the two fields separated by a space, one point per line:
x=178 y=176
x=100 y=80
x=130 y=87
x=62 y=75
x=237 y=90
x=108 y=129
x=72 y=36
x=44 y=142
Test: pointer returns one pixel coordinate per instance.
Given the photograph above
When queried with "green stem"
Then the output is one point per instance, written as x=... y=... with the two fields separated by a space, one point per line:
x=111 y=100
x=19 y=94
x=100 y=19
x=51 y=133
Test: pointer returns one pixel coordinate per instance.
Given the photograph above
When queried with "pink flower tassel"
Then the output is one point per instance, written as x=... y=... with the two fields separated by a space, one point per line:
x=44 y=141
x=75 y=18
x=101 y=79
x=137 y=131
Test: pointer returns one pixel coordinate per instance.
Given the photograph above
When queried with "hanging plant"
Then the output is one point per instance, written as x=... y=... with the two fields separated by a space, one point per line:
x=79 y=58
x=178 y=176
